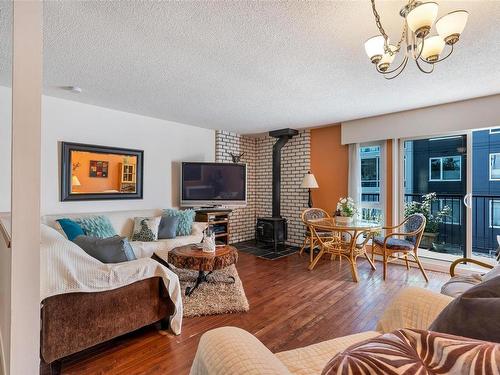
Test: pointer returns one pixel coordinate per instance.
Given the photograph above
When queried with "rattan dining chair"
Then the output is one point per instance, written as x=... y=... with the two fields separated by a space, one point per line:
x=310 y=239
x=404 y=239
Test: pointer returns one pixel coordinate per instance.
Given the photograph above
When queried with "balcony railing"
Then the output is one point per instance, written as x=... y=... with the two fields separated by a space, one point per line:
x=451 y=238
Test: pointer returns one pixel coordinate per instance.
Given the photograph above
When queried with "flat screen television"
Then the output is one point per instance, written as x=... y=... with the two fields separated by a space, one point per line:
x=213 y=184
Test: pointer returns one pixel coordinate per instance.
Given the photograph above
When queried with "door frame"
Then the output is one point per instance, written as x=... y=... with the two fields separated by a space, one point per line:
x=468 y=188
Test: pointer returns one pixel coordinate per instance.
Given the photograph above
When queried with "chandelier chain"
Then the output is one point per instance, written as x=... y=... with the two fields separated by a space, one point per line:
x=384 y=34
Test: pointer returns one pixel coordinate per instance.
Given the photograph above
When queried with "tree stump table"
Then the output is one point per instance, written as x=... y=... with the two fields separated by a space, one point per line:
x=190 y=257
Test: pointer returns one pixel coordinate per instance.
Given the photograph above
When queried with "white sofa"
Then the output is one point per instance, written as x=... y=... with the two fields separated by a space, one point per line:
x=123 y=223
x=233 y=351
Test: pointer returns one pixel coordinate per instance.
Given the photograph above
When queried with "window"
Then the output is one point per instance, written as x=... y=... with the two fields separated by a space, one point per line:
x=446 y=168
x=370 y=173
x=494 y=213
x=495 y=131
x=371 y=206
x=495 y=167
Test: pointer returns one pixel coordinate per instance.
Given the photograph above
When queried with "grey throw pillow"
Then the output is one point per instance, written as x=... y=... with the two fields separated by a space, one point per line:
x=114 y=249
x=474 y=314
x=168 y=227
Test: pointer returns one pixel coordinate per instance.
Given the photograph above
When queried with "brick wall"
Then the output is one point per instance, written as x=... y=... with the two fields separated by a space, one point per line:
x=295 y=163
x=242 y=220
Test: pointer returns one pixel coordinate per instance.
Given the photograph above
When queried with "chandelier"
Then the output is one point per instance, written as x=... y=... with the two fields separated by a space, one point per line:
x=415 y=41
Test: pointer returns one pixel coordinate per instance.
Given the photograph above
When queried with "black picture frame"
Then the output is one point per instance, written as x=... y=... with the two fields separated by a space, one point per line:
x=66 y=172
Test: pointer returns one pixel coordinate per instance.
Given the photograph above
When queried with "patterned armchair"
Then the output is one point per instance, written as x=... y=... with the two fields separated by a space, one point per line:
x=404 y=239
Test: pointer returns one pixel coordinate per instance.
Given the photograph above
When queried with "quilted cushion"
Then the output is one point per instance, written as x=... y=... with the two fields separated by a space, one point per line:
x=408 y=351
x=394 y=243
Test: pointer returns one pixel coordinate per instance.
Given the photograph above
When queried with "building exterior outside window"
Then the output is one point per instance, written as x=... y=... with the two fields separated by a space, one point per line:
x=446 y=168
x=495 y=166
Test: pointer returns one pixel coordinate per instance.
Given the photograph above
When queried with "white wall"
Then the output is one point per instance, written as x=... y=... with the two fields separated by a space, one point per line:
x=165 y=144
x=440 y=119
x=5 y=146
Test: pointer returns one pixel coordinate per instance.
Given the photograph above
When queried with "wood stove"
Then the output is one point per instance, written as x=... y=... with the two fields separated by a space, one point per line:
x=275 y=229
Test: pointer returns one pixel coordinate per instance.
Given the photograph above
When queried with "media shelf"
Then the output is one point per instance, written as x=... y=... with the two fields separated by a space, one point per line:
x=218 y=221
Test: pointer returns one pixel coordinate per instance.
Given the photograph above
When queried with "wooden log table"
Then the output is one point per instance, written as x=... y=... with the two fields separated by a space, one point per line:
x=190 y=257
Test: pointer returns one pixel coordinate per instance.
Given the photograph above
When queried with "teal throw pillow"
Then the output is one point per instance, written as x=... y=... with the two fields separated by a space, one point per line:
x=97 y=226
x=70 y=228
x=186 y=218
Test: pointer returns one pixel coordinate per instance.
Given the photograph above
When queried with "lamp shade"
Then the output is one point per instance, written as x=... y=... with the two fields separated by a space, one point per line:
x=421 y=18
x=309 y=182
x=433 y=47
x=374 y=48
x=452 y=24
x=75 y=181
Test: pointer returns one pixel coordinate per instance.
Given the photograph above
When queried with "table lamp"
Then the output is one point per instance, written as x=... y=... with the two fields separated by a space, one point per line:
x=309 y=182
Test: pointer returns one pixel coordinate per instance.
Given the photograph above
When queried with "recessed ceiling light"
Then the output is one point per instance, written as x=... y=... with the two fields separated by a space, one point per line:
x=73 y=89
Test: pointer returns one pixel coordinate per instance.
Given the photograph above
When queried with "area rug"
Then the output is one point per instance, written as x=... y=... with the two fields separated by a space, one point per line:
x=216 y=297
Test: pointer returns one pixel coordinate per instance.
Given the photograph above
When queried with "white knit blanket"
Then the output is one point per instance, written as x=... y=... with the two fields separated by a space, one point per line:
x=66 y=268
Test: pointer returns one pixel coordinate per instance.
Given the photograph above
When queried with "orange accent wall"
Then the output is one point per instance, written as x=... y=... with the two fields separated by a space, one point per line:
x=330 y=166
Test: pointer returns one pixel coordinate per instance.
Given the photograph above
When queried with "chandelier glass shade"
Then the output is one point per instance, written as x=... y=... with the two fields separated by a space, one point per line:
x=415 y=42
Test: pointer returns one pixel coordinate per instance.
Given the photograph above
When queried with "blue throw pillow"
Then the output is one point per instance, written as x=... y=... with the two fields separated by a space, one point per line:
x=114 y=249
x=96 y=226
x=186 y=218
x=70 y=228
x=168 y=227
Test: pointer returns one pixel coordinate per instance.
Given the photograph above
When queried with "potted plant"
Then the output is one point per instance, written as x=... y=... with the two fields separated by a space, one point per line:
x=346 y=209
x=434 y=218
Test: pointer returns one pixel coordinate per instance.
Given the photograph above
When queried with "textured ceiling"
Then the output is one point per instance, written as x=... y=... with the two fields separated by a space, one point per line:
x=250 y=66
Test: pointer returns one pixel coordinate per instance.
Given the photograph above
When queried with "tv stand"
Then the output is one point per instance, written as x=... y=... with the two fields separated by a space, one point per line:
x=212 y=209
x=217 y=220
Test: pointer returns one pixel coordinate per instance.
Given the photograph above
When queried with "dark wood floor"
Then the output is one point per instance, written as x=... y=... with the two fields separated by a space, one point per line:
x=289 y=307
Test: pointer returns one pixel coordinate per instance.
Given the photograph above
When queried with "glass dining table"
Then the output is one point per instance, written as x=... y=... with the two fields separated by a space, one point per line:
x=344 y=240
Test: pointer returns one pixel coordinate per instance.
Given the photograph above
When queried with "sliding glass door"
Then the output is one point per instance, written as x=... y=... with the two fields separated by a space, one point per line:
x=485 y=197
x=435 y=179
x=459 y=176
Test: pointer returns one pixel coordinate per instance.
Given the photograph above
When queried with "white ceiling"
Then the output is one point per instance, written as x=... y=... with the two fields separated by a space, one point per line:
x=250 y=66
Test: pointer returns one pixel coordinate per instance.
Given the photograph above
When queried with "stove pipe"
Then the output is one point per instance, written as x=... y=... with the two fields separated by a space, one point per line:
x=283 y=135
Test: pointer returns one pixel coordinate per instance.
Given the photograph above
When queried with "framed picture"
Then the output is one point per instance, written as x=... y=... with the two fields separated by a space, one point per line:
x=88 y=172
x=98 y=168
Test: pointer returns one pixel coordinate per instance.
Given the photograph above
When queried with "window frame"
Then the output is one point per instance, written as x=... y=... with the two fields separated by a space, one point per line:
x=490 y=165
x=440 y=158
x=490 y=213
x=382 y=173
x=377 y=171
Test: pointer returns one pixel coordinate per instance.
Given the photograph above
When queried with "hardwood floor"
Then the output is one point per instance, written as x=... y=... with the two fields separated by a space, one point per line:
x=290 y=307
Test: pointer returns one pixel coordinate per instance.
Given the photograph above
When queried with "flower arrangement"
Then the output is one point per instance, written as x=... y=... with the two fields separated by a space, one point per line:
x=434 y=217
x=346 y=207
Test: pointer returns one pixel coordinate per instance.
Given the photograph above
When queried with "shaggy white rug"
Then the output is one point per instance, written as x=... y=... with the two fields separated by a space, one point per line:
x=218 y=296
